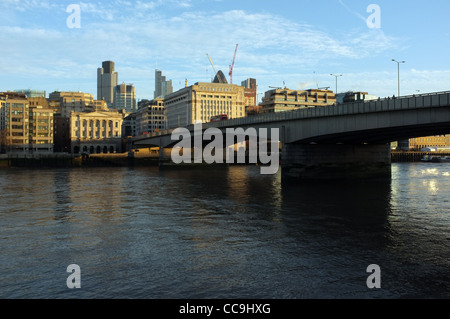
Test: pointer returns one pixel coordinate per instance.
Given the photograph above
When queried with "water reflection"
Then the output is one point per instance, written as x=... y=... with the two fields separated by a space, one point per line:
x=225 y=232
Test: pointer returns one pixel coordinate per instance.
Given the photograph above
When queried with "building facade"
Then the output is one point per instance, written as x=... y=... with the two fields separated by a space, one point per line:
x=202 y=101
x=150 y=117
x=107 y=79
x=41 y=129
x=96 y=132
x=129 y=125
x=162 y=87
x=25 y=128
x=72 y=102
x=14 y=122
x=125 y=97
x=417 y=144
x=280 y=100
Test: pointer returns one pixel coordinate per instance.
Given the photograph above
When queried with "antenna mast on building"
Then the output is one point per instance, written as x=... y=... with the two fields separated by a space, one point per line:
x=232 y=65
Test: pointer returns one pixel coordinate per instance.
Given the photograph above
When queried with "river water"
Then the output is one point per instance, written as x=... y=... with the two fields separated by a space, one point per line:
x=223 y=233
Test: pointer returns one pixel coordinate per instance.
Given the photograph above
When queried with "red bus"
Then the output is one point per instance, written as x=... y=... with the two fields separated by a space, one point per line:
x=220 y=117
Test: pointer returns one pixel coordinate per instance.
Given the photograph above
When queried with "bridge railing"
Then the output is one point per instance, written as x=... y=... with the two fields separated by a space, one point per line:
x=357 y=107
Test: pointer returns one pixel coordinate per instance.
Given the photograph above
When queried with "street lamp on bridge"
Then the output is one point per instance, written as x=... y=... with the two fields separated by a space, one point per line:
x=336 y=76
x=398 y=73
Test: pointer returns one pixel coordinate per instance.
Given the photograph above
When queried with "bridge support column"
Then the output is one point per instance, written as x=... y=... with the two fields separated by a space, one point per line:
x=334 y=161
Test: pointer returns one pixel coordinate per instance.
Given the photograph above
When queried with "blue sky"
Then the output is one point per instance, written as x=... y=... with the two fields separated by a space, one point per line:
x=293 y=43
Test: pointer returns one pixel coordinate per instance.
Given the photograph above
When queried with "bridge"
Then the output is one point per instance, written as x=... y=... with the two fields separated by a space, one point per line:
x=341 y=141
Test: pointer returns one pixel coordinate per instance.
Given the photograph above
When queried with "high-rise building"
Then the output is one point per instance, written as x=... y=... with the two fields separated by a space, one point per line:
x=107 y=79
x=250 y=91
x=125 y=97
x=250 y=83
x=162 y=87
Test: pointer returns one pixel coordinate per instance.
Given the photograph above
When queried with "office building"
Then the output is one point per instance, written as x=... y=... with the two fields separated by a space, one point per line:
x=107 y=79
x=129 y=125
x=24 y=128
x=125 y=97
x=280 y=100
x=72 y=102
x=41 y=129
x=14 y=122
x=162 y=87
x=202 y=101
x=150 y=117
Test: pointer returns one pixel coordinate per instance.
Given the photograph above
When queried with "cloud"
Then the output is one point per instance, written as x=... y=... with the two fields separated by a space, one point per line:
x=138 y=34
x=26 y=5
x=357 y=14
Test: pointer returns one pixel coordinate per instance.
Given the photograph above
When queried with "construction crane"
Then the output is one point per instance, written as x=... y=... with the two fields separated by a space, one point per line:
x=232 y=65
x=212 y=64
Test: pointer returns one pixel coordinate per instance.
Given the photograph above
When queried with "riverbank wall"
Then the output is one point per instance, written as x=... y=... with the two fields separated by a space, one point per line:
x=136 y=159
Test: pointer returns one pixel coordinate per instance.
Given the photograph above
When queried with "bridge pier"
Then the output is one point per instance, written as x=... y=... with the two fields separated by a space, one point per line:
x=336 y=161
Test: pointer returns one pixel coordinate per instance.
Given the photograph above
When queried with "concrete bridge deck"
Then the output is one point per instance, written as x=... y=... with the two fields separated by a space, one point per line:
x=342 y=136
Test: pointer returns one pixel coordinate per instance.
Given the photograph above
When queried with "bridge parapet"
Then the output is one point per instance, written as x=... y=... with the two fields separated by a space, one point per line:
x=385 y=105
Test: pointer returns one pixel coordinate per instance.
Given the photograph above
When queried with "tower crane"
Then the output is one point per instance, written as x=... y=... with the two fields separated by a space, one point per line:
x=212 y=64
x=232 y=65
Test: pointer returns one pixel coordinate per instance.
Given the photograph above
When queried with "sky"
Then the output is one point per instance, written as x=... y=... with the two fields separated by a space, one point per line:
x=296 y=44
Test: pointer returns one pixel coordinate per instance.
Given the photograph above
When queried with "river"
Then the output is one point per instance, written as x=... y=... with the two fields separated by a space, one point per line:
x=213 y=232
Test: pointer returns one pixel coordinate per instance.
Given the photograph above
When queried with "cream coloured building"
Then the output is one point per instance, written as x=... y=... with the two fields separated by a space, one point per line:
x=25 y=125
x=72 y=101
x=96 y=132
x=429 y=141
x=202 y=101
x=151 y=116
x=41 y=129
x=14 y=122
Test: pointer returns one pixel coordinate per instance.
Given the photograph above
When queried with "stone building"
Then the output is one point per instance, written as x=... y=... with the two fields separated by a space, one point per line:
x=150 y=117
x=96 y=132
x=202 y=101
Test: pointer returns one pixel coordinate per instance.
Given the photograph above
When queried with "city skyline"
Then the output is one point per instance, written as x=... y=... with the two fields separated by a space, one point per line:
x=297 y=44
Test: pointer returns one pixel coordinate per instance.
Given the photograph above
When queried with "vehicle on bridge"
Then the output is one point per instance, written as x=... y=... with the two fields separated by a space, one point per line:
x=217 y=118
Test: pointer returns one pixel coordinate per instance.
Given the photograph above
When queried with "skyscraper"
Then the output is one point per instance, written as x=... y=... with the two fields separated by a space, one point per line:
x=125 y=97
x=162 y=87
x=107 y=79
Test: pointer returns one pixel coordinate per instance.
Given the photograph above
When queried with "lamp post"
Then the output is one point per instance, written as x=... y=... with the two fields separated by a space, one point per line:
x=336 y=76
x=398 y=73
